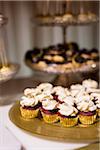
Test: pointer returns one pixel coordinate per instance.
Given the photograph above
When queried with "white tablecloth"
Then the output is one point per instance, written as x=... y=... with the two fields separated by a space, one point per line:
x=13 y=138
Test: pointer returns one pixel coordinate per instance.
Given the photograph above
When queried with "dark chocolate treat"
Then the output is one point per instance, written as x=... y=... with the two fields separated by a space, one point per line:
x=96 y=58
x=84 y=51
x=60 y=46
x=56 y=50
x=34 y=55
x=28 y=55
x=94 y=50
x=73 y=46
x=80 y=59
x=89 y=113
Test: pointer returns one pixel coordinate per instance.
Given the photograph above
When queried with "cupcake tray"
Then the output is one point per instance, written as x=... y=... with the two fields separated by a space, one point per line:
x=37 y=127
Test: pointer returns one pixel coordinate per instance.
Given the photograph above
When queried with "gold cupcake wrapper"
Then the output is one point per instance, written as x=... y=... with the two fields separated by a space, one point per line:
x=87 y=119
x=28 y=114
x=98 y=112
x=68 y=122
x=50 y=118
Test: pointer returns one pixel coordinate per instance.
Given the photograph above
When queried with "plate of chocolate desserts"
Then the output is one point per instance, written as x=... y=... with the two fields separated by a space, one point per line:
x=62 y=58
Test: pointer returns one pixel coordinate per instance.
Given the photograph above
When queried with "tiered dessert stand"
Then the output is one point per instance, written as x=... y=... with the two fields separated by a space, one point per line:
x=7 y=70
x=64 y=20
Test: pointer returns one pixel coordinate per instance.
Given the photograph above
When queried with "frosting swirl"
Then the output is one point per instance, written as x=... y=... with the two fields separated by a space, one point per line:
x=58 y=89
x=67 y=110
x=90 y=83
x=49 y=104
x=45 y=86
x=31 y=92
x=42 y=96
x=86 y=106
x=69 y=100
x=26 y=101
x=76 y=87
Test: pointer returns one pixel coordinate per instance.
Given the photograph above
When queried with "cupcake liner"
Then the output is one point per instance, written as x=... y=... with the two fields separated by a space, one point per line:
x=50 y=118
x=68 y=122
x=98 y=112
x=28 y=114
x=87 y=119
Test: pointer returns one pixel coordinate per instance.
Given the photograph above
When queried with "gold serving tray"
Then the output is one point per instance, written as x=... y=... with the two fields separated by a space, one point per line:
x=39 y=128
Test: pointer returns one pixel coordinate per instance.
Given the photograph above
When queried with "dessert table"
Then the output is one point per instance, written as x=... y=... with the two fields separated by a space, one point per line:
x=14 y=138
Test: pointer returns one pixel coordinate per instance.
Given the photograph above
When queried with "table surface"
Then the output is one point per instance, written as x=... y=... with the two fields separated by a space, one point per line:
x=17 y=137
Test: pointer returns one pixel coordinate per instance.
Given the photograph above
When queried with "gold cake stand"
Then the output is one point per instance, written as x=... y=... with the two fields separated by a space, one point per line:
x=38 y=127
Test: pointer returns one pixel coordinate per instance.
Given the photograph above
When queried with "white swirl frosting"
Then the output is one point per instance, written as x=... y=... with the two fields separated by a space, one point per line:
x=74 y=93
x=86 y=106
x=83 y=97
x=42 y=96
x=69 y=100
x=90 y=83
x=26 y=101
x=96 y=95
x=76 y=87
x=49 y=104
x=45 y=86
x=67 y=110
x=93 y=90
x=58 y=89
x=67 y=91
x=31 y=92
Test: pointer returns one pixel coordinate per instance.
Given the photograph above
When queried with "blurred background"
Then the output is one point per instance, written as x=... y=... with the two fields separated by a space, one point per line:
x=22 y=35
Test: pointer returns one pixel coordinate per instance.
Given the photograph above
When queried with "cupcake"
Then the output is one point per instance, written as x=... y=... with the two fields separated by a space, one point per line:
x=87 y=112
x=68 y=115
x=88 y=83
x=76 y=89
x=58 y=93
x=44 y=91
x=29 y=105
x=49 y=111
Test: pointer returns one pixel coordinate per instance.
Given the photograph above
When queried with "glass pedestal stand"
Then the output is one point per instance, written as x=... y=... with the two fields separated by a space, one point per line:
x=68 y=76
x=72 y=78
x=7 y=74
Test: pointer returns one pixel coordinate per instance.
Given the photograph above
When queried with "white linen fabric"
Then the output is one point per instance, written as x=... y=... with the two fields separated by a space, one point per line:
x=18 y=138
